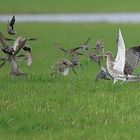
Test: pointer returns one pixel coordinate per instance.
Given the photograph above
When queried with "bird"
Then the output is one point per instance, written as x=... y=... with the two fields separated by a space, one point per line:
x=96 y=58
x=85 y=45
x=15 y=67
x=11 y=54
x=27 y=49
x=6 y=48
x=63 y=66
x=96 y=55
x=10 y=26
x=103 y=74
x=72 y=52
x=132 y=61
x=116 y=67
x=28 y=54
x=100 y=45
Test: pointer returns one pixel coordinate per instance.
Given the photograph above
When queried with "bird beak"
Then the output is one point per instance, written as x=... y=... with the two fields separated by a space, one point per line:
x=102 y=55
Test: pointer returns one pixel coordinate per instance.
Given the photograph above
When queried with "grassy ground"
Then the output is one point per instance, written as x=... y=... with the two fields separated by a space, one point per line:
x=72 y=107
x=68 y=6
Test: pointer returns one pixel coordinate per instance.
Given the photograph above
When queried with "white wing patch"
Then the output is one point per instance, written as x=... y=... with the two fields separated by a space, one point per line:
x=66 y=71
x=16 y=43
x=119 y=62
x=29 y=58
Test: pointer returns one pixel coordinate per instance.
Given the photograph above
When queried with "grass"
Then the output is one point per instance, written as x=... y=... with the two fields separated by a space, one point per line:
x=66 y=6
x=72 y=107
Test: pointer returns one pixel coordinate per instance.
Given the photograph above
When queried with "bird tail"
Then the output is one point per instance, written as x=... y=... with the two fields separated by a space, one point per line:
x=131 y=78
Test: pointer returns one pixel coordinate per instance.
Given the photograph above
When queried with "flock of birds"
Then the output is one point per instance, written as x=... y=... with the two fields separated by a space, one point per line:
x=120 y=68
x=18 y=50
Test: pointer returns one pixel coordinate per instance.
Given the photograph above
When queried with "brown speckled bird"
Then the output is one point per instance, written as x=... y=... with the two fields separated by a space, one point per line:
x=116 y=67
x=63 y=66
x=11 y=55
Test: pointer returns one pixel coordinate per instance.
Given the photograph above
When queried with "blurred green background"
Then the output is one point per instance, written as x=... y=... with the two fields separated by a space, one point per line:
x=68 y=6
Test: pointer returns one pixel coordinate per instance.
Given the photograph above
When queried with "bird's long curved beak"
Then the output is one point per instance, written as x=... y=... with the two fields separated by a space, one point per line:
x=102 y=55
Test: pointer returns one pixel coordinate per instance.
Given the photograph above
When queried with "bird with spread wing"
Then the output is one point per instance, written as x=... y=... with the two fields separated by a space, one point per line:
x=63 y=67
x=132 y=60
x=115 y=67
x=11 y=54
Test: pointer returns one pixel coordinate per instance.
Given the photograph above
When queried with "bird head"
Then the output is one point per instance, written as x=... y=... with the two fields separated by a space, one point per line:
x=76 y=63
x=108 y=53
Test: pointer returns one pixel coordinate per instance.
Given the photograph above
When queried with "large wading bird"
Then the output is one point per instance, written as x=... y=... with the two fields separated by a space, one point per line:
x=115 y=67
x=122 y=67
x=132 y=61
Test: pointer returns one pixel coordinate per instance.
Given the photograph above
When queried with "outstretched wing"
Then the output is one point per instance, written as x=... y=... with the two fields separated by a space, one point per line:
x=132 y=58
x=20 y=46
x=3 y=40
x=59 y=47
x=12 y=22
x=17 y=42
x=119 y=62
x=28 y=55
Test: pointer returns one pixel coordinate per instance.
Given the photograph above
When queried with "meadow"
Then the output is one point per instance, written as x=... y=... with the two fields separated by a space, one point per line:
x=68 y=6
x=73 y=107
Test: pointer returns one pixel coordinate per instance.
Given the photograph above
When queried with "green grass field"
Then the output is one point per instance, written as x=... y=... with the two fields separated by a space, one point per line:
x=73 y=107
x=68 y=6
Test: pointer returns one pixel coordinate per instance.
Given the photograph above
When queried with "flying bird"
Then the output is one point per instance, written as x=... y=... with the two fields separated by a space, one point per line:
x=63 y=66
x=98 y=52
x=15 y=67
x=10 y=26
x=11 y=52
x=96 y=58
x=5 y=48
x=100 y=46
x=72 y=51
x=26 y=49
x=85 y=45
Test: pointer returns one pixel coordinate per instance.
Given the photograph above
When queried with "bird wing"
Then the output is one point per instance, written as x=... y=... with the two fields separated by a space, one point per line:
x=77 y=53
x=14 y=64
x=68 y=63
x=75 y=49
x=32 y=39
x=28 y=56
x=119 y=62
x=132 y=58
x=87 y=41
x=3 y=40
x=66 y=71
x=131 y=78
x=20 y=46
x=12 y=22
x=60 y=48
x=9 y=39
x=17 y=42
